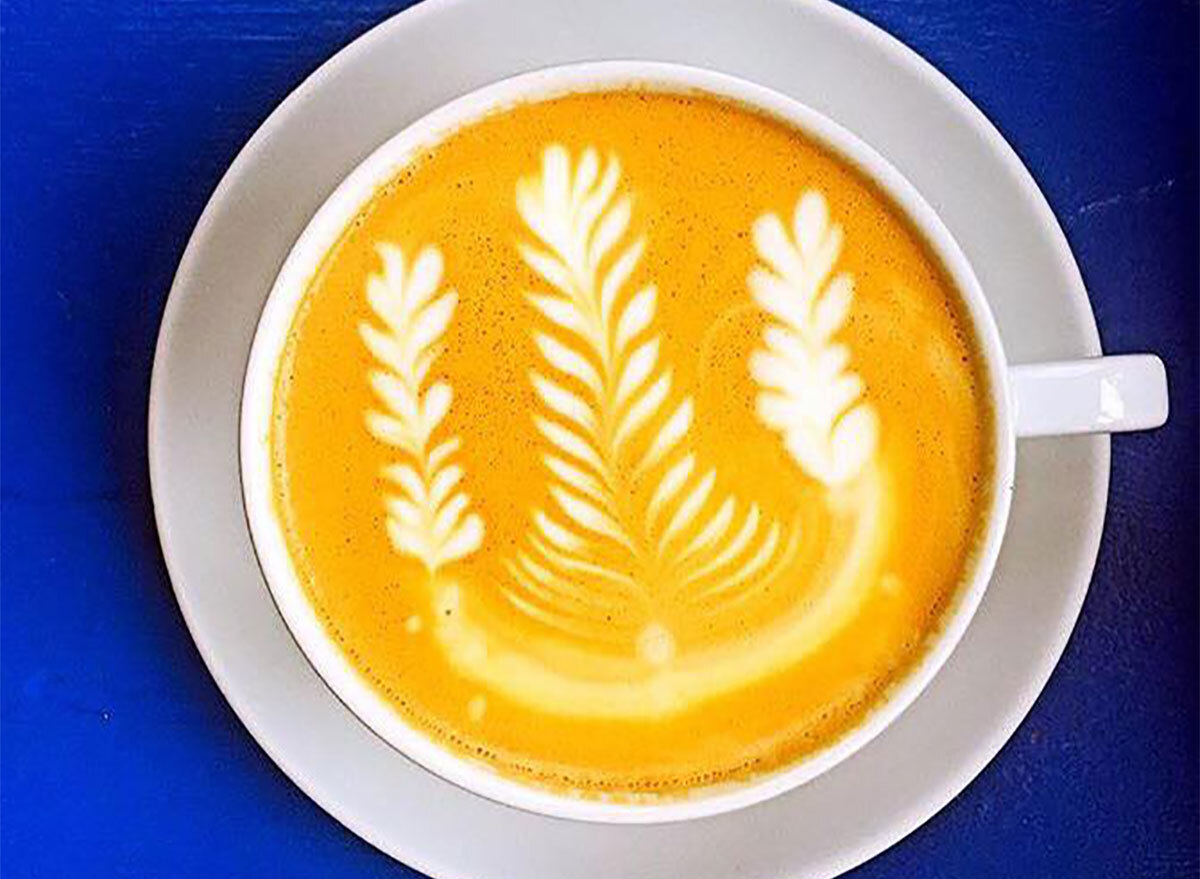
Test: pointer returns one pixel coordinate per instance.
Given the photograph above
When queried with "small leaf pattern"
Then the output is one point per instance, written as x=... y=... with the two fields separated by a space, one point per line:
x=808 y=394
x=428 y=516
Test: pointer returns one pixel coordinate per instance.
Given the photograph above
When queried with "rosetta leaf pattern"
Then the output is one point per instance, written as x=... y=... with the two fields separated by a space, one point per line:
x=428 y=515
x=807 y=392
x=635 y=519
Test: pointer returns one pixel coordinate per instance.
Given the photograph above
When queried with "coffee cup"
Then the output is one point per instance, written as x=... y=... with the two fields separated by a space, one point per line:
x=1104 y=394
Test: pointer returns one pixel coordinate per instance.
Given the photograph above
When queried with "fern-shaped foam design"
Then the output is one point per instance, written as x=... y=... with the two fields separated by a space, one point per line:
x=808 y=394
x=428 y=516
x=624 y=484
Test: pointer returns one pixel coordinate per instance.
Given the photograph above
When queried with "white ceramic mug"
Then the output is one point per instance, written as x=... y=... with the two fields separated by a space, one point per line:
x=1104 y=394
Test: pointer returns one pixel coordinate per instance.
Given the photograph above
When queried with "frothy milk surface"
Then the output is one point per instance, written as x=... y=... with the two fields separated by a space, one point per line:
x=631 y=442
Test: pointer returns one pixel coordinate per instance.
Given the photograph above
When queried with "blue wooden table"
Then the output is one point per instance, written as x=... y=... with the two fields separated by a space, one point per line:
x=118 y=756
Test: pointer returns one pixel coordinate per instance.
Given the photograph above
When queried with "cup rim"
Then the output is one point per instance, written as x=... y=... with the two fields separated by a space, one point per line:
x=292 y=282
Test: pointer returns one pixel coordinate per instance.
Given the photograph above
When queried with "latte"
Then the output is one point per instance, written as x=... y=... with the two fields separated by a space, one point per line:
x=631 y=442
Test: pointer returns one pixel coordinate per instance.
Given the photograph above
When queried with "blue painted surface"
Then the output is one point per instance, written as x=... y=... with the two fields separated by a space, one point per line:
x=118 y=756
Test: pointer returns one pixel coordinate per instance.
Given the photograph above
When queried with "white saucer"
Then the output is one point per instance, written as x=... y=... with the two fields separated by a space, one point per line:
x=825 y=57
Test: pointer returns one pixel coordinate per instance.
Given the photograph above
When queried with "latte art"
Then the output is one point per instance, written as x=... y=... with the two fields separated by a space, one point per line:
x=810 y=396
x=427 y=515
x=609 y=467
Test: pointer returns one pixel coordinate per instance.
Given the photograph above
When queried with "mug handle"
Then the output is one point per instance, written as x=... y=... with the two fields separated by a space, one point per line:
x=1096 y=395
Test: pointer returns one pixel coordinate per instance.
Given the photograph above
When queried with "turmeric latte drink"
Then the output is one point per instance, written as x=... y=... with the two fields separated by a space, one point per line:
x=631 y=442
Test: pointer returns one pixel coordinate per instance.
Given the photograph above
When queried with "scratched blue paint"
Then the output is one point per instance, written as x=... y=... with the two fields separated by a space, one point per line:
x=118 y=756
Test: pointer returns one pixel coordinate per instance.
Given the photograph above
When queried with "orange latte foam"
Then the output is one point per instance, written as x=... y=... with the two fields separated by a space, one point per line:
x=631 y=442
